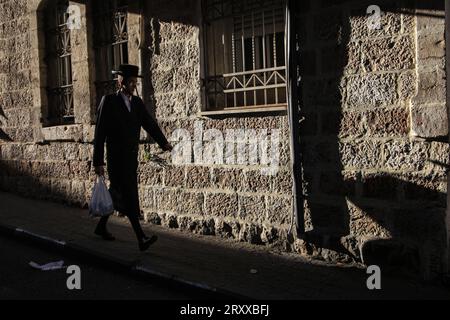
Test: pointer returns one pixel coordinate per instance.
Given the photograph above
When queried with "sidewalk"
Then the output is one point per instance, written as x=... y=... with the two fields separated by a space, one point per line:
x=210 y=263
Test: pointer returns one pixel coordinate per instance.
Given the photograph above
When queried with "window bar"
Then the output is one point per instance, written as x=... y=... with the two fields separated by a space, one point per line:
x=55 y=84
x=264 y=55
x=225 y=61
x=275 y=55
x=225 y=65
x=215 y=66
x=59 y=49
x=66 y=69
x=254 y=58
x=234 y=67
x=243 y=59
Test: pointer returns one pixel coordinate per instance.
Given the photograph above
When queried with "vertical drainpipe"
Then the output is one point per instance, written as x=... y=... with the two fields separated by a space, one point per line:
x=447 y=69
x=294 y=107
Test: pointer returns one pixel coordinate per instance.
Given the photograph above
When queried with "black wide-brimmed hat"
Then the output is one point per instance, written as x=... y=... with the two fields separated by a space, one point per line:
x=127 y=70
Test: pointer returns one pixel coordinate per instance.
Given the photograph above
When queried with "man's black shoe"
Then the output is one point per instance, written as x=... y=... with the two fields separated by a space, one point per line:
x=147 y=242
x=104 y=234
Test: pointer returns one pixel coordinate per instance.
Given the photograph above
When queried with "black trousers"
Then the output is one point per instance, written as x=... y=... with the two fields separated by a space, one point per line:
x=122 y=171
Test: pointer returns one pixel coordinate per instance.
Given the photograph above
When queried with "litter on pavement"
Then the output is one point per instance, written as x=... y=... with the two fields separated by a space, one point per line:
x=58 y=265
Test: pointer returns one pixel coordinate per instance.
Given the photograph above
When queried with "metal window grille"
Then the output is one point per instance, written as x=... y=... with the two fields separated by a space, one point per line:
x=111 y=42
x=59 y=61
x=245 y=55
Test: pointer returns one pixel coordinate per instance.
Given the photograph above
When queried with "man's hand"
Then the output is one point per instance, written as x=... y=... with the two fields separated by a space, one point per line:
x=168 y=147
x=100 y=171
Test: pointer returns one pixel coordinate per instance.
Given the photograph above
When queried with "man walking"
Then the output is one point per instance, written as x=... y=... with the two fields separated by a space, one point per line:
x=120 y=117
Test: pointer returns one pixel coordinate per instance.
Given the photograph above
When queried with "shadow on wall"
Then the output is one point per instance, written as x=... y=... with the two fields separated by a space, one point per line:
x=392 y=220
x=20 y=177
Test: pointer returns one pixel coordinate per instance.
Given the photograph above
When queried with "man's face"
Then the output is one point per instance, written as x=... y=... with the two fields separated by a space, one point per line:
x=128 y=84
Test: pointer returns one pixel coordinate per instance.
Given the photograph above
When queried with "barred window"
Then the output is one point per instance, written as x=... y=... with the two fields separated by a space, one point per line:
x=110 y=41
x=59 y=63
x=244 y=43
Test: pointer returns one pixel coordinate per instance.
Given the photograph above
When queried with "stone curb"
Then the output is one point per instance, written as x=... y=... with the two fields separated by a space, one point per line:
x=110 y=262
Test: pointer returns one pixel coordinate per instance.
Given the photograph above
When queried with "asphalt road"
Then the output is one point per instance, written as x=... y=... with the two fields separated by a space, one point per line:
x=18 y=280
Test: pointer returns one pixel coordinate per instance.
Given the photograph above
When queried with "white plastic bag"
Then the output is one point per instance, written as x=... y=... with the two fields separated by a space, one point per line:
x=101 y=203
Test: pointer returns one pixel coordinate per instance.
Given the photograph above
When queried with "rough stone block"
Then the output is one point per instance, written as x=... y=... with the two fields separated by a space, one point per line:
x=372 y=90
x=255 y=181
x=174 y=176
x=70 y=151
x=279 y=210
x=400 y=155
x=352 y=124
x=431 y=51
x=193 y=103
x=187 y=78
x=166 y=199
x=147 y=197
x=389 y=54
x=360 y=155
x=367 y=221
x=222 y=205
x=252 y=208
x=429 y=121
x=79 y=169
x=173 y=53
x=85 y=152
x=408 y=85
x=170 y=105
x=282 y=182
x=390 y=24
x=163 y=80
x=149 y=174
x=432 y=88
x=389 y=122
x=78 y=191
x=198 y=177
x=285 y=155
x=191 y=203
x=227 y=179
x=440 y=152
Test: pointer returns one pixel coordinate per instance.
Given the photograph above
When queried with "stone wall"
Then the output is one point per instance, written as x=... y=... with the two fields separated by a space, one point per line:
x=234 y=201
x=375 y=114
x=375 y=110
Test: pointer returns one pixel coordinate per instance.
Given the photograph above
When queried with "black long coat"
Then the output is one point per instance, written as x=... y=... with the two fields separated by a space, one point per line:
x=120 y=129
